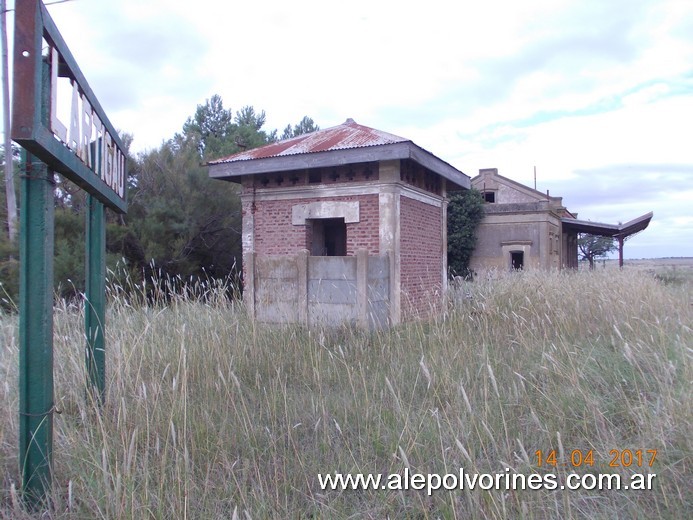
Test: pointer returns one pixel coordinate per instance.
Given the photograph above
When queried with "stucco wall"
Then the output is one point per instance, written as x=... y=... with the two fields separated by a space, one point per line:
x=506 y=195
x=537 y=234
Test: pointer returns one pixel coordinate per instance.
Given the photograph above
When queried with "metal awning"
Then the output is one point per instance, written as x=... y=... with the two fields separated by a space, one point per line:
x=608 y=230
x=620 y=232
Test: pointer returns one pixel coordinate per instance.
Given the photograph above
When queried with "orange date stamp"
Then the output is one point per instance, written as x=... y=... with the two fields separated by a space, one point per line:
x=639 y=458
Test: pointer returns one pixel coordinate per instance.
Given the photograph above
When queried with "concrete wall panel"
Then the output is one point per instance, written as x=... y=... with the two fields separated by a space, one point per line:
x=322 y=290
x=378 y=290
x=332 y=268
x=332 y=314
x=268 y=267
x=331 y=291
x=378 y=268
x=378 y=314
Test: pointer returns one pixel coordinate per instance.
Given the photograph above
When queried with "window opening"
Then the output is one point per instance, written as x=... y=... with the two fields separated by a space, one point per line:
x=327 y=237
x=490 y=196
x=517 y=260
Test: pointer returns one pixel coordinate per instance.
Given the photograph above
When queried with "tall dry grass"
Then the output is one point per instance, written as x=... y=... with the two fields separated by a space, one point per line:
x=209 y=415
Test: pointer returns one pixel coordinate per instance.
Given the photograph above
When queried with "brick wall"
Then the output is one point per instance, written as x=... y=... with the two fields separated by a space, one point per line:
x=276 y=235
x=364 y=234
x=420 y=257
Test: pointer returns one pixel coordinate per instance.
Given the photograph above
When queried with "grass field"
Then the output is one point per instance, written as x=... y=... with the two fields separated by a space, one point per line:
x=211 y=416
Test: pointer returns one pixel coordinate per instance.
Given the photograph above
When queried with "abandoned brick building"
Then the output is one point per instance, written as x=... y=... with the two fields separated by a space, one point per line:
x=346 y=224
x=349 y=225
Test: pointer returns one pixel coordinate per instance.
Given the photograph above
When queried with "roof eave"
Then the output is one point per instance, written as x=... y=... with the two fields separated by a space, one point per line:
x=437 y=165
x=233 y=170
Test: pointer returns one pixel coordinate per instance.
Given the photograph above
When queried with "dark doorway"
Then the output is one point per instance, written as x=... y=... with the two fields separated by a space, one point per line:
x=517 y=260
x=328 y=237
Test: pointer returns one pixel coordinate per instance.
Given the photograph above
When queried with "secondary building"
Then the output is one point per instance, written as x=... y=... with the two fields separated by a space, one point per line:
x=526 y=229
x=344 y=225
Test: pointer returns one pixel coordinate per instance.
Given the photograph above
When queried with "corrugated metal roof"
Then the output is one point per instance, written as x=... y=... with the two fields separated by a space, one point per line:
x=343 y=144
x=341 y=137
x=610 y=230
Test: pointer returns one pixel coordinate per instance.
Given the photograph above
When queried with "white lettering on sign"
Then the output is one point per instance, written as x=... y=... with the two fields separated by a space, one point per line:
x=75 y=139
x=107 y=172
x=57 y=127
x=87 y=136
x=87 y=130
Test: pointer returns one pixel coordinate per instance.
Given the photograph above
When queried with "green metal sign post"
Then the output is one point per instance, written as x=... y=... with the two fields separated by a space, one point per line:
x=36 y=405
x=88 y=152
x=95 y=297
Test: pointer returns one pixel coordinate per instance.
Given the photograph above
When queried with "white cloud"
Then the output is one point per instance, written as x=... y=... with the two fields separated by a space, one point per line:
x=567 y=86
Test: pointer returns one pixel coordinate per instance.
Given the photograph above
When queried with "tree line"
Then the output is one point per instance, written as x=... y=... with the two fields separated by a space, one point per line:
x=180 y=224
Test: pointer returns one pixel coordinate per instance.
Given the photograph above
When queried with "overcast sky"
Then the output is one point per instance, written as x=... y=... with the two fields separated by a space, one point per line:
x=596 y=94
